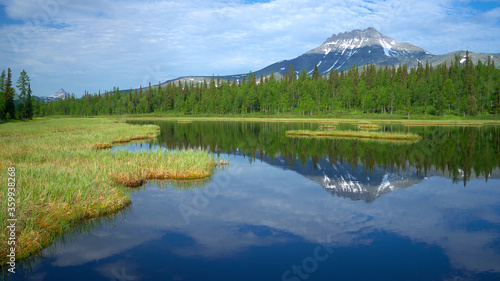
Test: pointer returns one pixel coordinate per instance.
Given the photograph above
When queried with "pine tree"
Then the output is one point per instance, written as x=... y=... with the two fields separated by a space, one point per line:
x=469 y=105
x=315 y=75
x=9 y=92
x=449 y=95
x=29 y=104
x=2 y=89
x=22 y=86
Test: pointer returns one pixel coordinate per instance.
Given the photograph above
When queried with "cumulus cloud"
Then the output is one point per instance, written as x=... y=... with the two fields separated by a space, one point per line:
x=101 y=44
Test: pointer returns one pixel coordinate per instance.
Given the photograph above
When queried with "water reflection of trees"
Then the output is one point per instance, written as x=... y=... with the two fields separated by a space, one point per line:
x=458 y=152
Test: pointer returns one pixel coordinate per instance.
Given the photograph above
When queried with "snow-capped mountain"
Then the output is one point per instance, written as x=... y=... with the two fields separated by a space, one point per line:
x=61 y=94
x=358 y=47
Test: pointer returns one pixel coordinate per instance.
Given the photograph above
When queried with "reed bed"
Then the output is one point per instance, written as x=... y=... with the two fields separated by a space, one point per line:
x=369 y=127
x=65 y=174
x=326 y=127
x=446 y=123
x=355 y=134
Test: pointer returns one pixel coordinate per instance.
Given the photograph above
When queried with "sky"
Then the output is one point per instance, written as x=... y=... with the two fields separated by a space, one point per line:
x=96 y=45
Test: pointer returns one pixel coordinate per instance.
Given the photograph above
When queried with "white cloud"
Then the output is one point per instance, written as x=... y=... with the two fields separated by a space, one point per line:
x=100 y=44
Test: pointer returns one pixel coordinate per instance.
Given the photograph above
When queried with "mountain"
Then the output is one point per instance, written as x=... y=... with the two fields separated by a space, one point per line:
x=357 y=47
x=61 y=94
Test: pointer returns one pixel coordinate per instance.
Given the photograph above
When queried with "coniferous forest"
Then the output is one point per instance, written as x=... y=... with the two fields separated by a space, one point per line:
x=10 y=107
x=458 y=87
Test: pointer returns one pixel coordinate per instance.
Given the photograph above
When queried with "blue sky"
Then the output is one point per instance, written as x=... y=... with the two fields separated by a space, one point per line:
x=99 y=44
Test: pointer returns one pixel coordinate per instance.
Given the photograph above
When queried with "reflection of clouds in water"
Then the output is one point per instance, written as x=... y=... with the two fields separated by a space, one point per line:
x=425 y=214
x=286 y=203
x=119 y=271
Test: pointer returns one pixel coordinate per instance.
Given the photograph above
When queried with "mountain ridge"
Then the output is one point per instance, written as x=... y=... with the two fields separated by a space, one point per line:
x=343 y=50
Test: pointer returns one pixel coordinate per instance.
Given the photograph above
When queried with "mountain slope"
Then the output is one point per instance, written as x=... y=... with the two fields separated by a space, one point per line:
x=357 y=47
x=61 y=94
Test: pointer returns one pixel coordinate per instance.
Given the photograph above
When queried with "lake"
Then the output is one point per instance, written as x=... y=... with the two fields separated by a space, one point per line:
x=300 y=209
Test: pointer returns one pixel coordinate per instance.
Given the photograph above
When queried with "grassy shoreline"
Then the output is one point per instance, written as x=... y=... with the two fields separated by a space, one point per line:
x=322 y=121
x=63 y=177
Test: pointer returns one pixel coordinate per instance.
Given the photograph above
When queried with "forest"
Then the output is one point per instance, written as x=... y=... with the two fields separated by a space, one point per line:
x=459 y=88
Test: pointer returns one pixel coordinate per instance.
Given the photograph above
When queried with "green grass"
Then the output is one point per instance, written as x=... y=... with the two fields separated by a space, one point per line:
x=377 y=119
x=355 y=134
x=341 y=114
x=63 y=176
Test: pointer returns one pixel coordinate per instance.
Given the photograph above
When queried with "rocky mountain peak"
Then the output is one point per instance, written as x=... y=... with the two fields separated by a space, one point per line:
x=61 y=94
x=368 y=37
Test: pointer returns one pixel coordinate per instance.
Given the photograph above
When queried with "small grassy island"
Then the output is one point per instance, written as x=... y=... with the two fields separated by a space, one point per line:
x=65 y=174
x=355 y=134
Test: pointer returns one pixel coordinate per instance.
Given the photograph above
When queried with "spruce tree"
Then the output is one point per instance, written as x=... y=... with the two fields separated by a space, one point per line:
x=2 y=89
x=469 y=105
x=315 y=75
x=9 y=92
x=29 y=104
x=22 y=86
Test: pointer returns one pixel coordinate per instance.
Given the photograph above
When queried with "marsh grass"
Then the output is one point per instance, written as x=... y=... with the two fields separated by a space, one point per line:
x=461 y=123
x=371 y=119
x=326 y=127
x=369 y=127
x=64 y=174
x=355 y=135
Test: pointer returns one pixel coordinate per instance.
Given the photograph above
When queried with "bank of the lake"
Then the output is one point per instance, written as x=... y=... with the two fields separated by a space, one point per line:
x=368 y=119
x=64 y=174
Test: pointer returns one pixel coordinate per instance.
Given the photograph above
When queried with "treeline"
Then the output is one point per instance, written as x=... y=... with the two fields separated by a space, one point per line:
x=10 y=106
x=460 y=88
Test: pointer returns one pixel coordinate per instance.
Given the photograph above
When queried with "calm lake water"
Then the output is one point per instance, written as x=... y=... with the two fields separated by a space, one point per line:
x=301 y=209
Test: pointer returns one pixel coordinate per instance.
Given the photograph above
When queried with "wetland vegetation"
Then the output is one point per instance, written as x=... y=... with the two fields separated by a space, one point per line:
x=63 y=175
x=354 y=134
